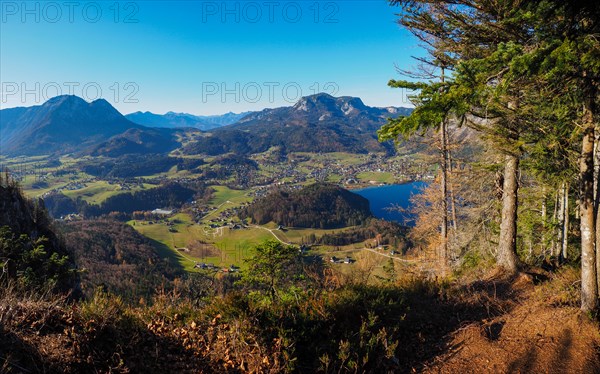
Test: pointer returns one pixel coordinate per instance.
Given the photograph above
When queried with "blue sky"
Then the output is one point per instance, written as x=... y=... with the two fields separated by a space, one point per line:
x=201 y=57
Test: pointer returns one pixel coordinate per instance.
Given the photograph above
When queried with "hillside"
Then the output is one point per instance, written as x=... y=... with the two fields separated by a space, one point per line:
x=317 y=123
x=320 y=205
x=31 y=254
x=492 y=325
x=309 y=318
x=116 y=257
x=136 y=141
x=61 y=125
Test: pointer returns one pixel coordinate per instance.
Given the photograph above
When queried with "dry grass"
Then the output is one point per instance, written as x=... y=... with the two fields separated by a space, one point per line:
x=496 y=323
x=563 y=290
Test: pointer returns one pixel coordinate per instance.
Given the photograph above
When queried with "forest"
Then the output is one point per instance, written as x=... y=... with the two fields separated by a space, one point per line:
x=525 y=76
x=379 y=231
x=116 y=259
x=136 y=165
x=320 y=205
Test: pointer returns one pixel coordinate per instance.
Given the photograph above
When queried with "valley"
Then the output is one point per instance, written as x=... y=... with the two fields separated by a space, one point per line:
x=300 y=187
x=210 y=226
x=200 y=224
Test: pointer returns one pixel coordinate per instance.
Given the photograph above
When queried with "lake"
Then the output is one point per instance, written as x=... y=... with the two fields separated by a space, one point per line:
x=382 y=198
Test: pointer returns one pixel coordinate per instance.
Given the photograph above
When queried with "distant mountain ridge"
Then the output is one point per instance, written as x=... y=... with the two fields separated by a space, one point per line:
x=182 y=120
x=317 y=123
x=62 y=124
x=136 y=141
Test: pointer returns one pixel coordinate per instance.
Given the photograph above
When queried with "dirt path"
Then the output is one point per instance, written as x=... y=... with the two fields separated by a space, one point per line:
x=392 y=257
x=272 y=231
x=531 y=339
x=181 y=251
x=530 y=336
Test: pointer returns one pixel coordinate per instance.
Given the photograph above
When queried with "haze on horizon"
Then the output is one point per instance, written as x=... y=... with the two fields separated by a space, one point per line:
x=201 y=57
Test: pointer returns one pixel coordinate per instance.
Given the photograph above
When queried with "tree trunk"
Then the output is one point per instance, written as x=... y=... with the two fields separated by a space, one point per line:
x=444 y=196
x=507 y=248
x=565 y=228
x=556 y=200
x=589 y=282
x=544 y=213
x=560 y=224
x=596 y=167
x=544 y=207
x=452 y=202
x=553 y=244
x=444 y=190
x=596 y=193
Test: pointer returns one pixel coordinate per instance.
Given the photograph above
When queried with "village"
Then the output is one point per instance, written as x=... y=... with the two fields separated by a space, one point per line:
x=352 y=171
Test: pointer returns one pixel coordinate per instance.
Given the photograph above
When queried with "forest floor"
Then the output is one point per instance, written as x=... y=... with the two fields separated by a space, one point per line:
x=529 y=323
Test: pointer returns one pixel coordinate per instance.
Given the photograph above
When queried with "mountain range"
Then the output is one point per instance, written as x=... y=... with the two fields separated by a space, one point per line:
x=182 y=120
x=63 y=124
x=317 y=123
x=68 y=124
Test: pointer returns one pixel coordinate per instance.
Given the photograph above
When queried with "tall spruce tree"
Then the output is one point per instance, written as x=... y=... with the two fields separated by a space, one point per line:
x=505 y=54
x=569 y=51
x=479 y=40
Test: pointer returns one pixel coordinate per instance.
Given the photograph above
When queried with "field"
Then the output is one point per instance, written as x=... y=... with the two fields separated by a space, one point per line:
x=224 y=194
x=188 y=243
x=381 y=177
x=98 y=191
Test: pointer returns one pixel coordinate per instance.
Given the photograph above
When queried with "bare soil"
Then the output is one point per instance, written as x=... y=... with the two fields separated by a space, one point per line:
x=522 y=333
